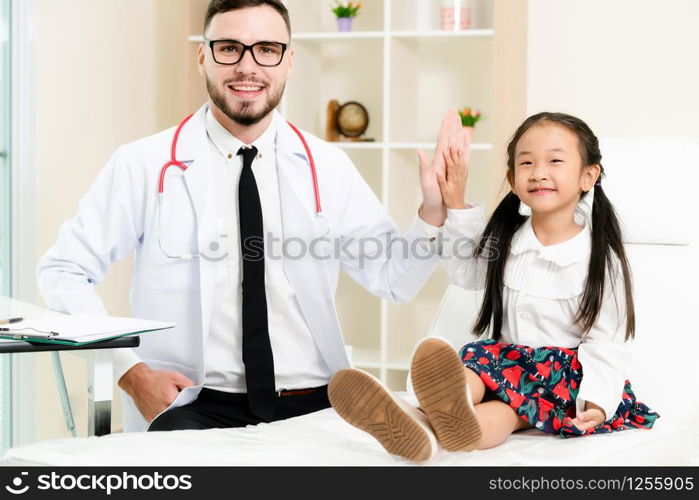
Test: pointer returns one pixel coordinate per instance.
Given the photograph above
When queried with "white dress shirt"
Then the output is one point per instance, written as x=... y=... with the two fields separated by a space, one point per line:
x=297 y=362
x=543 y=287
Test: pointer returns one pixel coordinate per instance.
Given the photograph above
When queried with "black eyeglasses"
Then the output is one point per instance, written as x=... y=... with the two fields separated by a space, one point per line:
x=232 y=51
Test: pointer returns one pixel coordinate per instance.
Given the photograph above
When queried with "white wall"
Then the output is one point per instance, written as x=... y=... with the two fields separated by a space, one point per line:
x=627 y=67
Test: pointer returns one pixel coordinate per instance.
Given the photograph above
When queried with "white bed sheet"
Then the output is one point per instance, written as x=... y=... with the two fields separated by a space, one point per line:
x=324 y=439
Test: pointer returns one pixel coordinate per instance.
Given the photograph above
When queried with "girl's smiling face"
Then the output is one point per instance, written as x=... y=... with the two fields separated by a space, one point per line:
x=549 y=174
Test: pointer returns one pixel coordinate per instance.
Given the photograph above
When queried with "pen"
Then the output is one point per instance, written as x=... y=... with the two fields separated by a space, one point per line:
x=9 y=321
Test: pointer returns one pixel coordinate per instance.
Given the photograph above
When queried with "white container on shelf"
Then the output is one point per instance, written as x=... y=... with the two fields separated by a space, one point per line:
x=453 y=13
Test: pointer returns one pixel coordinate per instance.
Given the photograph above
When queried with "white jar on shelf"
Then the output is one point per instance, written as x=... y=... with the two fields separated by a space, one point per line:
x=454 y=13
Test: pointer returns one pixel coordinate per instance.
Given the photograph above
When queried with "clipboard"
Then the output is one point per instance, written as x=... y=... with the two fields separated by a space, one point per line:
x=79 y=329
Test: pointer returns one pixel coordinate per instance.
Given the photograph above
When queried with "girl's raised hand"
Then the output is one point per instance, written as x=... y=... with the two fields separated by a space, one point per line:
x=433 y=210
x=452 y=181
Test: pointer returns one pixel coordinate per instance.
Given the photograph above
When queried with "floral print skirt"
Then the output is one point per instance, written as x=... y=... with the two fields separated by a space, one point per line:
x=541 y=385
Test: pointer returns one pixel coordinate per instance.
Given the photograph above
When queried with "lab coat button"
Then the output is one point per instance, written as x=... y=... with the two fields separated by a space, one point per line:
x=230 y=155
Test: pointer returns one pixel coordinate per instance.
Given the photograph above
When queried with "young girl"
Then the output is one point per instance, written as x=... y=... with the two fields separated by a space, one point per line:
x=557 y=301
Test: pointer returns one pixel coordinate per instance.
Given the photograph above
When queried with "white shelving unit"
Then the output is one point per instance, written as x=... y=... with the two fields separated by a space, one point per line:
x=326 y=35
x=407 y=73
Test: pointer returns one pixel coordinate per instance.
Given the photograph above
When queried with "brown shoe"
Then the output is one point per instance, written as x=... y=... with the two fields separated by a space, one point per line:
x=365 y=403
x=439 y=382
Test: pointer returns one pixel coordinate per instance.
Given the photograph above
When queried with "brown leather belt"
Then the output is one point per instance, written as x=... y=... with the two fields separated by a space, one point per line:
x=300 y=392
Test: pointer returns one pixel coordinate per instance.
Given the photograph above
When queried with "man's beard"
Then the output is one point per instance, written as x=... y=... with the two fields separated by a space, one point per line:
x=246 y=116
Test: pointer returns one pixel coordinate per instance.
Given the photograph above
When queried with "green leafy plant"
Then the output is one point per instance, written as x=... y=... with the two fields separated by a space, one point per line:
x=346 y=9
x=468 y=118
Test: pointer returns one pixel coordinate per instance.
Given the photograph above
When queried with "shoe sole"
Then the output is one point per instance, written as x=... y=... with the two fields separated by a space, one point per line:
x=363 y=402
x=439 y=382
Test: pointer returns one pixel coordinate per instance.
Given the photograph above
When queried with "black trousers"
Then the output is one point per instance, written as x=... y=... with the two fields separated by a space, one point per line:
x=217 y=409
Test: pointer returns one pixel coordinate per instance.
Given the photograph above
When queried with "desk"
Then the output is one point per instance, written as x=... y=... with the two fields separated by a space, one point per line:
x=99 y=366
x=99 y=377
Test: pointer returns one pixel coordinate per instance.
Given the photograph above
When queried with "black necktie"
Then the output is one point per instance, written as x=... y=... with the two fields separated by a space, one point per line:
x=257 y=350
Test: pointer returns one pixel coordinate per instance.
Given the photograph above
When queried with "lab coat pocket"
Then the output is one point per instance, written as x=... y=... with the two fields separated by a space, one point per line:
x=186 y=395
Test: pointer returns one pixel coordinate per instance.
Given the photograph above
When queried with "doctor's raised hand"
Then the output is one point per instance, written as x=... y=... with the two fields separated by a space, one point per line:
x=453 y=145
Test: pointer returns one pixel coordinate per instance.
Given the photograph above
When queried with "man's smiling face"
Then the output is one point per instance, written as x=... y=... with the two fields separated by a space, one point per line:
x=246 y=92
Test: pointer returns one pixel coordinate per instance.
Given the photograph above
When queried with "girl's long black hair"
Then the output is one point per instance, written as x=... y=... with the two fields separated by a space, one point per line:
x=606 y=238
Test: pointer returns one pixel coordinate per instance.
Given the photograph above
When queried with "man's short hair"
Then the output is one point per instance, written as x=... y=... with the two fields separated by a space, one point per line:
x=221 y=6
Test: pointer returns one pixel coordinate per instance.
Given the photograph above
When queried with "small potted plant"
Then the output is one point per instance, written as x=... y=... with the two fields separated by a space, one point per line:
x=345 y=11
x=469 y=119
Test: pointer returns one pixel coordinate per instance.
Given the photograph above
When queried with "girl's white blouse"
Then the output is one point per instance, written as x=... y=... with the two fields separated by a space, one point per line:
x=541 y=297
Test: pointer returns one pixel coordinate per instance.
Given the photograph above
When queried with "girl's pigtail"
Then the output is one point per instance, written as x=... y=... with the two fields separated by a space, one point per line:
x=494 y=246
x=607 y=242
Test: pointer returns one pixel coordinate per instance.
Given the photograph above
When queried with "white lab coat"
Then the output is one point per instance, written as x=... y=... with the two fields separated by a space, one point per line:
x=118 y=216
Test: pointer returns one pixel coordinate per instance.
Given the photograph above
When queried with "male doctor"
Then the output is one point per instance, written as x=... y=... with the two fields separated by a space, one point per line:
x=257 y=335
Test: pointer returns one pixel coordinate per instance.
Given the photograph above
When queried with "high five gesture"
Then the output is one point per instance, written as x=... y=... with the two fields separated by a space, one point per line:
x=443 y=181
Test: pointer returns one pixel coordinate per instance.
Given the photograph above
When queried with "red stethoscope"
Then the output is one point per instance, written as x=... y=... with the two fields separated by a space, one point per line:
x=174 y=162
